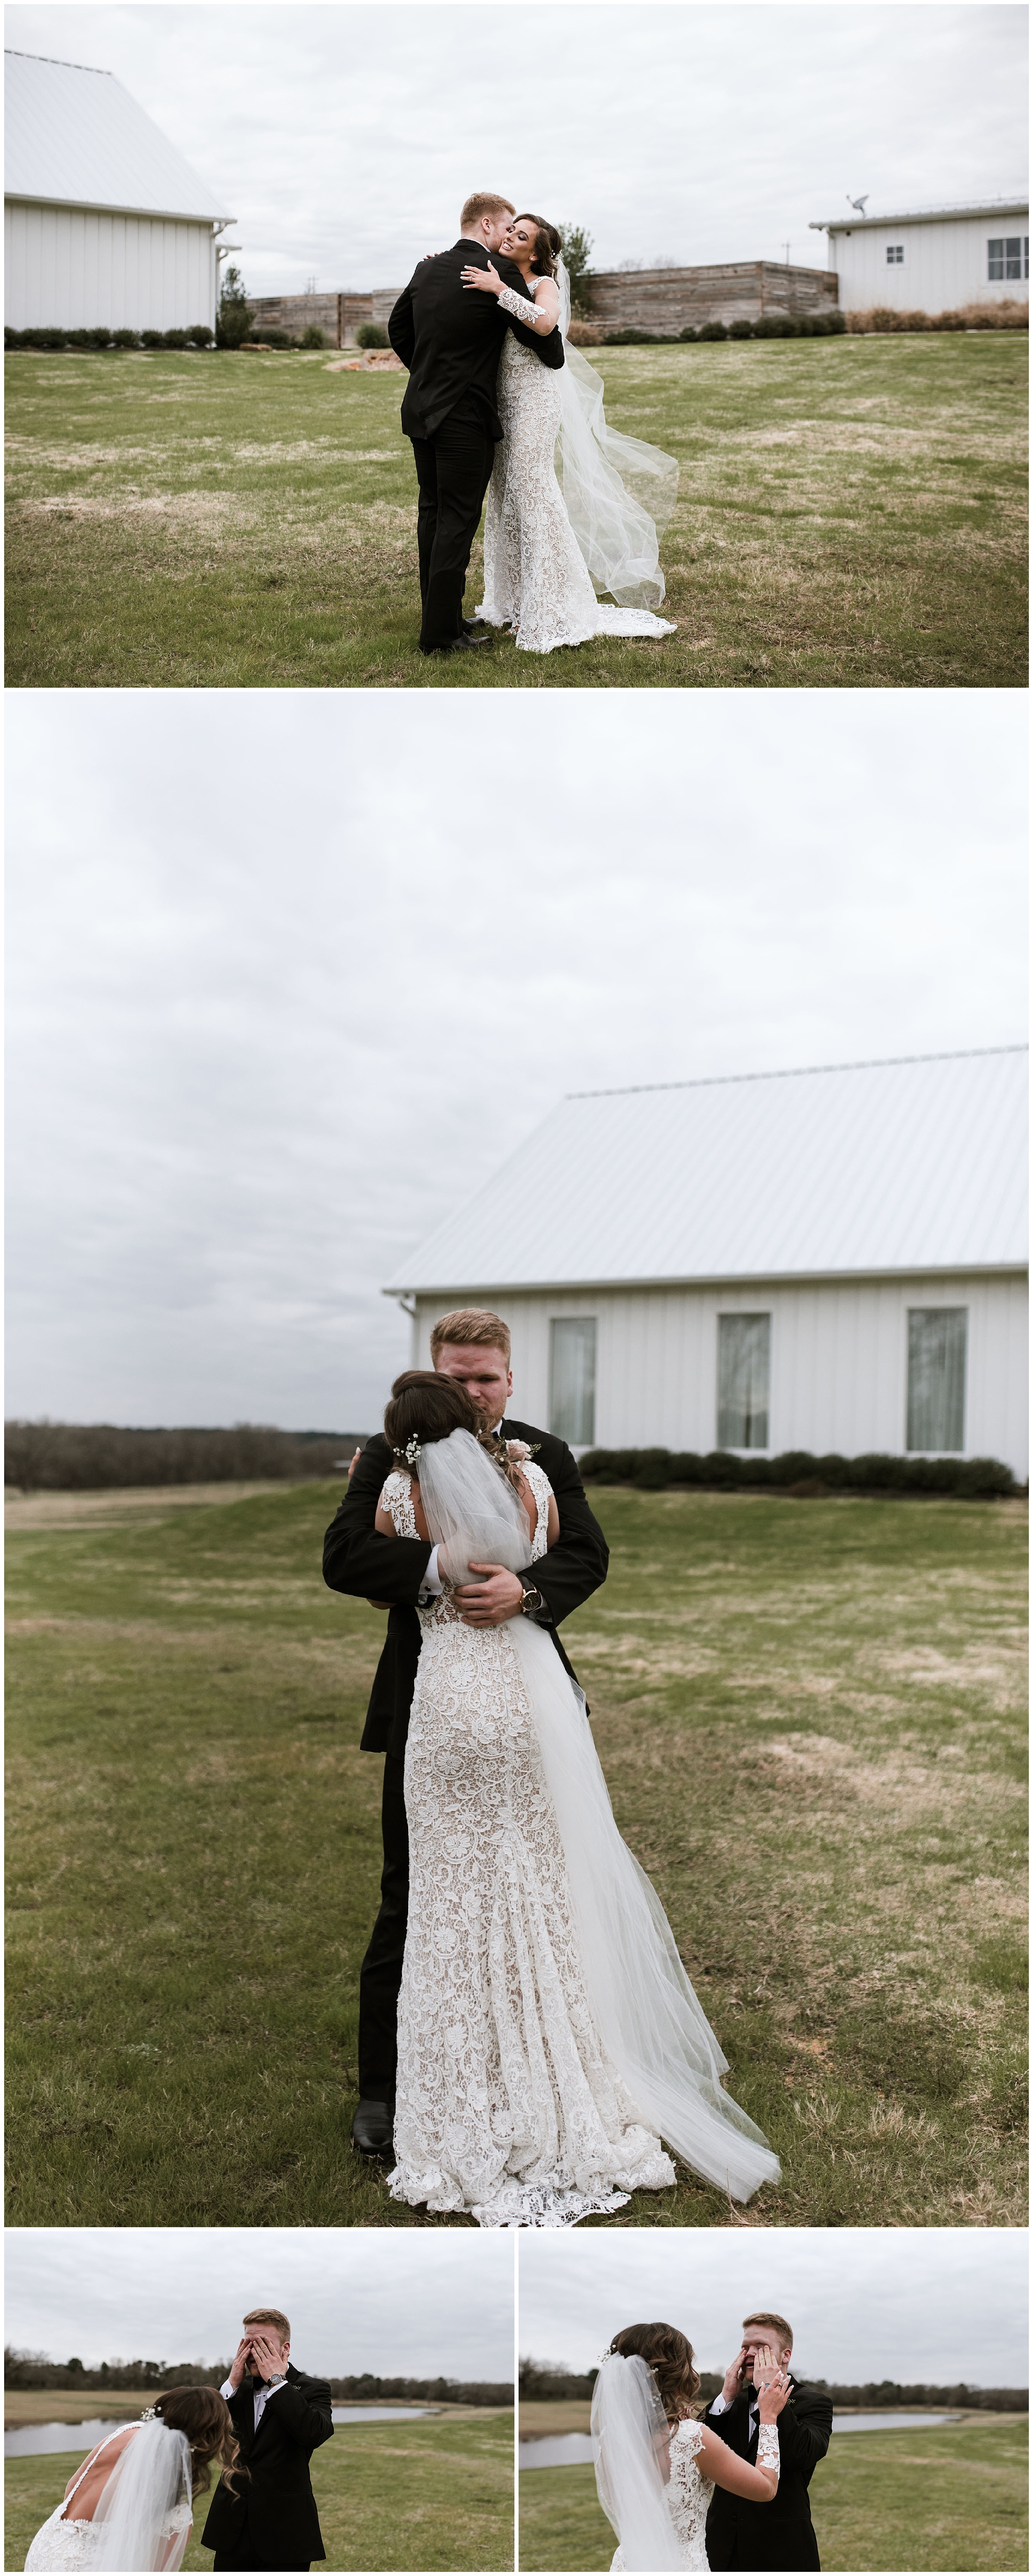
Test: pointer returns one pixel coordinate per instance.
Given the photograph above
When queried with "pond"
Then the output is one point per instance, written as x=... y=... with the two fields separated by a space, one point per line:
x=27 y=2439
x=572 y=2450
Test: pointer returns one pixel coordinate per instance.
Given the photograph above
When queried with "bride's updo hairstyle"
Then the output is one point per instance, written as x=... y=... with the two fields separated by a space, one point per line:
x=427 y=1406
x=668 y=2354
x=547 y=244
x=205 y=2418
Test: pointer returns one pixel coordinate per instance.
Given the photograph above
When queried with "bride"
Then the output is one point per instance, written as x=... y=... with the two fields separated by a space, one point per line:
x=130 y=2505
x=656 y=2467
x=548 y=2036
x=547 y=550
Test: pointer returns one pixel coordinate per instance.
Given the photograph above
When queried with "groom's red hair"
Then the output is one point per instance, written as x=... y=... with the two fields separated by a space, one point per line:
x=483 y=204
x=471 y=1326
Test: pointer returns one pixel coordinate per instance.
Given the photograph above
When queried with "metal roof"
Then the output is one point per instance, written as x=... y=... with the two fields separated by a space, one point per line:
x=915 y=1164
x=75 y=137
x=923 y=215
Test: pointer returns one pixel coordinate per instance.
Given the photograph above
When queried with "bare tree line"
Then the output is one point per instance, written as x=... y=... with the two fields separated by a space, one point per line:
x=35 y=2370
x=80 y=1457
x=547 y=2379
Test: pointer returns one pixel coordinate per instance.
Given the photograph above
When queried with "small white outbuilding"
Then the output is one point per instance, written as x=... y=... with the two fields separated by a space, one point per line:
x=832 y=1260
x=104 y=221
x=932 y=261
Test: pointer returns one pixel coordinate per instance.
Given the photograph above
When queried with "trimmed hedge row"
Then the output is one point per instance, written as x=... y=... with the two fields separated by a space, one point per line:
x=797 y=1471
x=770 y=326
x=198 y=336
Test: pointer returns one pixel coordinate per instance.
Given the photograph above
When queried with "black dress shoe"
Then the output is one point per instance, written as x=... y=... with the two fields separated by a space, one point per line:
x=373 y=2131
x=460 y=644
x=474 y=626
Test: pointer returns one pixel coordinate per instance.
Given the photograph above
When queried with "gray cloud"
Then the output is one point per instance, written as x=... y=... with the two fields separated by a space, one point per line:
x=345 y=139
x=406 y=2305
x=291 y=973
x=866 y=2303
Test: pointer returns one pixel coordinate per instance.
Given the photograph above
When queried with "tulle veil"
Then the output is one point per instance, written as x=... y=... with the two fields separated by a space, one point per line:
x=653 y=2027
x=619 y=492
x=149 y=2479
x=631 y=2441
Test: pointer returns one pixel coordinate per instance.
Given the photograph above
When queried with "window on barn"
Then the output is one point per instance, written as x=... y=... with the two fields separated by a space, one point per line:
x=937 y=1341
x=894 y=254
x=1008 y=257
x=743 y=1381
x=572 y=1379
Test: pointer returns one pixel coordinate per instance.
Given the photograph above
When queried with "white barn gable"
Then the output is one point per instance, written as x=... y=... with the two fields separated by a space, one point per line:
x=830 y=1260
x=104 y=220
x=933 y=260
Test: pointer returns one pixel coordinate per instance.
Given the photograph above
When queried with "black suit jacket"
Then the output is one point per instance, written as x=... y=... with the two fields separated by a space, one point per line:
x=450 y=338
x=274 y=2502
x=358 y=1558
x=758 y=2536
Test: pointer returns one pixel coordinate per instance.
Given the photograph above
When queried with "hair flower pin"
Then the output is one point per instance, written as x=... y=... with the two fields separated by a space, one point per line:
x=150 y=2415
x=413 y=1451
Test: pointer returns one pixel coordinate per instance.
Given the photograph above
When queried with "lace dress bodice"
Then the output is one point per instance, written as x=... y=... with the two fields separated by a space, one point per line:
x=507 y=2105
x=535 y=576
x=688 y=2497
x=62 y=2544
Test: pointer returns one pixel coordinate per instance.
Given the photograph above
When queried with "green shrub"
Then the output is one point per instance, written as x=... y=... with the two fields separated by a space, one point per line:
x=798 y=1471
x=125 y=339
x=836 y=319
x=153 y=339
x=312 y=337
x=714 y=331
x=174 y=340
x=370 y=335
x=200 y=335
x=279 y=340
x=740 y=330
x=689 y=333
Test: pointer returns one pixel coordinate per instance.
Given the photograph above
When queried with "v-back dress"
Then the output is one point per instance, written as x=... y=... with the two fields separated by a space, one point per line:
x=63 y=2546
x=507 y=2104
x=688 y=2497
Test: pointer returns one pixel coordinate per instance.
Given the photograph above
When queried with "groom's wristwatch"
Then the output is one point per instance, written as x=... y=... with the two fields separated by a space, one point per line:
x=532 y=1600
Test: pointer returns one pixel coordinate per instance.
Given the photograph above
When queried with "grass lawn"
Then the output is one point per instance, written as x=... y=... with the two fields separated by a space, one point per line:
x=940 y=2499
x=436 y=2495
x=851 y=515
x=810 y=1714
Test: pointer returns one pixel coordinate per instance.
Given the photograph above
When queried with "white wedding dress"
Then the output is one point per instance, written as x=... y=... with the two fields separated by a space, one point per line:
x=538 y=573
x=507 y=2105
x=688 y=2498
x=156 y=2526
x=548 y=2035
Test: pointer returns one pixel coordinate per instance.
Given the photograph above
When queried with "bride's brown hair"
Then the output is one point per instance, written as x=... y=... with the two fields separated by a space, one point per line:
x=428 y=1406
x=547 y=244
x=669 y=2355
x=205 y=2418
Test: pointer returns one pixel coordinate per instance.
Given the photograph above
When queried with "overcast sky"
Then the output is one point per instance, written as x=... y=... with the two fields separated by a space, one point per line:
x=937 y=2304
x=291 y=974
x=343 y=140
x=407 y=2305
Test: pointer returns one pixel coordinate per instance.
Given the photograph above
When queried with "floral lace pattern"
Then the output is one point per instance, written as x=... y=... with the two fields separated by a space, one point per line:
x=535 y=575
x=768 y=2454
x=688 y=2497
x=507 y=2106
x=61 y=2545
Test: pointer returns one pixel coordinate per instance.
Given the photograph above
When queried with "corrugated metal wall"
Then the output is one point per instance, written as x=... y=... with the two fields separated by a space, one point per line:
x=944 y=265
x=72 y=269
x=838 y=1360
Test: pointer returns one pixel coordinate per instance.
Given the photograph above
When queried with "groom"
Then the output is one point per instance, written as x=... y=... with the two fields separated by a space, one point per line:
x=474 y=1346
x=451 y=341
x=758 y=2536
x=279 y=2417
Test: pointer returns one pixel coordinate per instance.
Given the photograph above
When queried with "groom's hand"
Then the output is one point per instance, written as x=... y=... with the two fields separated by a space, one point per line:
x=241 y=2361
x=490 y=1603
x=734 y=2376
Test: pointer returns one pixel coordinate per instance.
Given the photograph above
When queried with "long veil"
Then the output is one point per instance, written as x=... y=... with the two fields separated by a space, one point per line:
x=149 y=2480
x=631 y=2440
x=651 y=2022
x=619 y=492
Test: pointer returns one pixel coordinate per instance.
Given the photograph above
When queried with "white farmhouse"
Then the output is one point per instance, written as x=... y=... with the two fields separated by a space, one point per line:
x=104 y=221
x=931 y=261
x=833 y=1260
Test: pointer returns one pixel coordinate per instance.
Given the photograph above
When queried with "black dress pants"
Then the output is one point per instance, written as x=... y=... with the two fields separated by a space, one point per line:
x=453 y=470
x=381 y=1972
x=248 y=2555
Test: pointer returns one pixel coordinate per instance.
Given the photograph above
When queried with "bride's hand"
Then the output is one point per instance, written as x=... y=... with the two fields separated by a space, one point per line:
x=487 y=279
x=770 y=2400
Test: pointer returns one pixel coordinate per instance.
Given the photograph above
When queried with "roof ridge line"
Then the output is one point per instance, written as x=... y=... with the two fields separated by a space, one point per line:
x=99 y=70
x=796 y=1072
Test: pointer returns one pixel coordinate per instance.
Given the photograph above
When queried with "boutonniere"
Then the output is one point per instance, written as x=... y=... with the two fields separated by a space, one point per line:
x=521 y=1449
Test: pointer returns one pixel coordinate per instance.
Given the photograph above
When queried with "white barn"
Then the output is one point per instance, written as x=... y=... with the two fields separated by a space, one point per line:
x=832 y=1260
x=104 y=221
x=933 y=260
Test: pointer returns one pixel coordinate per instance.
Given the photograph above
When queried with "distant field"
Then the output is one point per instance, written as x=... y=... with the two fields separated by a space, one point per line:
x=811 y=1718
x=389 y=2496
x=935 y=2499
x=851 y=515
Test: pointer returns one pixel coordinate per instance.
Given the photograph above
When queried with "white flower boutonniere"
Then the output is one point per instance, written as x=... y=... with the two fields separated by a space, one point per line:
x=521 y=1449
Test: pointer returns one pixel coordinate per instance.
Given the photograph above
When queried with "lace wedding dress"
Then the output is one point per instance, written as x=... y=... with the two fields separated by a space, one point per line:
x=535 y=575
x=507 y=2104
x=689 y=2494
x=62 y=2544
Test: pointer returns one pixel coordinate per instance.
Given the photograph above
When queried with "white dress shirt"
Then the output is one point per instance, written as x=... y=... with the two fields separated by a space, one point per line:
x=261 y=2395
x=720 y=2404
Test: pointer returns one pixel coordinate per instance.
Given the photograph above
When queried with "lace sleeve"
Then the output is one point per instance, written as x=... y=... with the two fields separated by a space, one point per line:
x=510 y=301
x=767 y=2448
